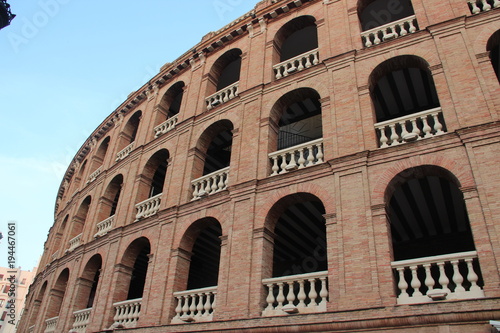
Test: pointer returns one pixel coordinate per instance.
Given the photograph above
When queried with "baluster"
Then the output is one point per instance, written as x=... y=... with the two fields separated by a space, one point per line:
x=278 y=73
x=383 y=138
x=192 y=307
x=402 y=284
x=301 y=295
x=285 y=70
x=207 y=186
x=178 y=308
x=283 y=163
x=323 y=293
x=292 y=164
x=275 y=166
x=457 y=276
x=302 y=160
x=200 y=306
x=472 y=276
x=290 y=296
x=292 y=67
x=415 y=282
x=486 y=5
x=475 y=8
x=214 y=303
x=426 y=128
x=443 y=279
x=281 y=296
x=404 y=132
x=231 y=93
x=185 y=308
x=310 y=156
x=368 y=42
x=195 y=192
x=394 y=135
x=415 y=129
x=301 y=66
x=214 y=187
x=376 y=39
x=403 y=31
x=437 y=125
x=220 y=185
x=312 y=293
x=496 y=3
x=116 y=317
x=208 y=305
x=429 y=280
x=308 y=61
x=319 y=155
x=412 y=27
x=315 y=58
x=270 y=297
x=226 y=181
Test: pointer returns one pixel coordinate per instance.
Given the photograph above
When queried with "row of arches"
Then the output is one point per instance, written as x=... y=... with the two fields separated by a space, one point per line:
x=425 y=209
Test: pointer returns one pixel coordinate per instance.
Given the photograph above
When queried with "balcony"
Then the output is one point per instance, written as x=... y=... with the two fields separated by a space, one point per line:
x=50 y=325
x=74 y=243
x=166 y=126
x=124 y=152
x=413 y=127
x=296 y=64
x=93 y=176
x=389 y=31
x=104 y=226
x=302 y=293
x=297 y=157
x=195 y=305
x=127 y=313
x=82 y=319
x=222 y=96
x=148 y=207
x=479 y=6
x=444 y=277
x=210 y=184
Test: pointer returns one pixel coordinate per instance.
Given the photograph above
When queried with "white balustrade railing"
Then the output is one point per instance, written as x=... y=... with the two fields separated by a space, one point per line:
x=50 y=324
x=104 y=226
x=75 y=242
x=124 y=152
x=195 y=305
x=31 y=329
x=222 y=96
x=82 y=319
x=297 y=157
x=127 y=313
x=209 y=184
x=93 y=176
x=303 y=293
x=478 y=6
x=148 y=207
x=389 y=31
x=450 y=276
x=54 y=255
x=296 y=64
x=413 y=127
x=166 y=126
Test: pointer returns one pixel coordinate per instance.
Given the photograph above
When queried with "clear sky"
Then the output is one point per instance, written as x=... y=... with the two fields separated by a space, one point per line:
x=64 y=66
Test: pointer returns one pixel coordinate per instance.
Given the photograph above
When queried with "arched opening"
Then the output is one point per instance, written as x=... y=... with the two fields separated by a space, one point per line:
x=202 y=247
x=299 y=257
x=79 y=177
x=57 y=295
x=128 y=135
x=109 y=201
x=88 y=282
x=298 y=116
x=58 y=237
x=36 y=305
x=376 y=13
x=400 y=87
x=493 y=47
x=98 y=158
x=168 y=108
x=78 y=223
x=222 y=79
x=431 y=232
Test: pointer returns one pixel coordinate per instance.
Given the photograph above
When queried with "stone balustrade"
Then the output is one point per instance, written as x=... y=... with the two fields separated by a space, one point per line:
x=195 y=305
x=82 y=319
x=124 y=152
x=166 y=126
x=287 y=294
x=389 y=31
x=127 y=313
x=413 y=127
x=104 y=226
x=478 y=6
x=296 y=64
x=209 y=184
x=451 y=276
x=148 y=207
x=297 y=157
x=222 y=96
x=75 y=242
x=93 y=176
x=50 y=325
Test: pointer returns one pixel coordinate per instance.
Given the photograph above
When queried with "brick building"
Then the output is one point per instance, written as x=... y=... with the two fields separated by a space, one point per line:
x=321 y=165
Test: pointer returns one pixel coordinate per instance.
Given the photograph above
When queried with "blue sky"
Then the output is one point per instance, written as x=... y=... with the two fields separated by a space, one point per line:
x=64 y=66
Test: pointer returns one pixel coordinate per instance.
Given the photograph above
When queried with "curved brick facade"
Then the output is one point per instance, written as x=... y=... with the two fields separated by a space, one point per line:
x=257 y=157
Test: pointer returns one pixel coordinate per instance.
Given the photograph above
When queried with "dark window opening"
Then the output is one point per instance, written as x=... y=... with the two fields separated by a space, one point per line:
x=138 y=278
x=159 y=179
x=175 y=106
x=299 y=42
x=115 y=202
x=495 y=56
x=204 y=267
x=219 y=152
x=230 y=74
x=93 y=289
x=381 y=12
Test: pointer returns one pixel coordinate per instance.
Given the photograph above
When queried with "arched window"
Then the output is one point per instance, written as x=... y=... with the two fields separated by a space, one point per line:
x=78 y=223
x=87 y=286
x=431 y=236
x=78 y=179
x=108 y=205
x=493 y=47
x=202 y=241
x=127 y=136
x=214 y=157
x=167 y=110
x=299 y=260
x=297 y=141
x=36 y=305
x=56 y=299
x=132 y=278
x=98 y=159
x=152 y=184
x=405 y=101
x=58 y=237
x=375 y=16
x=296 y=46
x=223 y=78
